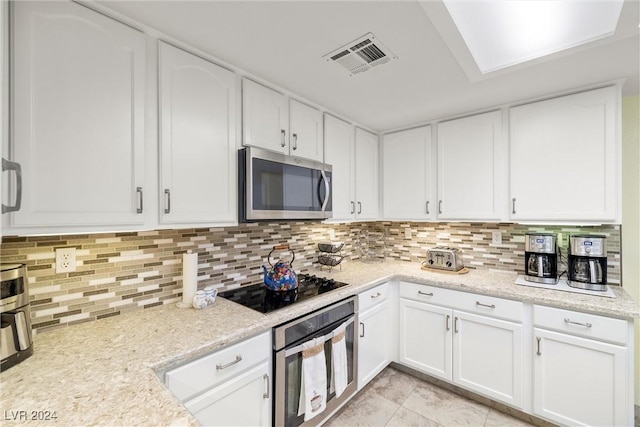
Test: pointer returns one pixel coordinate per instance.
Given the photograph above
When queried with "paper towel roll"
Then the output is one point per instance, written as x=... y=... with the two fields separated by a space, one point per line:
x=189 y=278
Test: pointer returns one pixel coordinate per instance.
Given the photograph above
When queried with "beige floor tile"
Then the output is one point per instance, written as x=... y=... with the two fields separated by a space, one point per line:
x=393 y=385
x=499 y=419
x=405 y=418
x=366 y=409
x=444 y=407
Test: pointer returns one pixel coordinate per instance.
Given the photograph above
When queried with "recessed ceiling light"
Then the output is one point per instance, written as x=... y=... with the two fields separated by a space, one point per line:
x=501 y=33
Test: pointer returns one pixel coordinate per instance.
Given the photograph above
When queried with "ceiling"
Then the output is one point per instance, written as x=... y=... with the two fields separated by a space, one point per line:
x=434 y=77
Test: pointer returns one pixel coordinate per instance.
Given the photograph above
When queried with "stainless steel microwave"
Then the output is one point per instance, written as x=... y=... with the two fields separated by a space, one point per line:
x=274 y=186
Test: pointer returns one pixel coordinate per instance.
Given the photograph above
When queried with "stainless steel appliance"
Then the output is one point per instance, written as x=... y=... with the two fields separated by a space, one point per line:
x=287 y=356
x=588 y=262
x=444 y=258
x=541 y=258
x=16 y=340
x=275 y=186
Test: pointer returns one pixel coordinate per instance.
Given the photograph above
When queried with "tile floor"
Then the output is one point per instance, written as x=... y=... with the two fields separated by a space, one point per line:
x=394 y=398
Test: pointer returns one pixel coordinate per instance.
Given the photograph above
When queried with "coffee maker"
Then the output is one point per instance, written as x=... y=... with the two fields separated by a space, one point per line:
x=541 y=258
x=16 y=339
x=588 y=262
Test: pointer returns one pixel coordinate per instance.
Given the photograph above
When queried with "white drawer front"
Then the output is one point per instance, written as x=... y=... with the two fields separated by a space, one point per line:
x=373 y=296
x=489 y=306
x=581 y=324
x=426 y=293
x=208 y=371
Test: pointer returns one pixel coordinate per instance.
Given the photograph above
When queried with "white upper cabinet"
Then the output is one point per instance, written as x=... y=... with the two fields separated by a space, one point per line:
x=339 y=152
x=472 y=168
x=78 y=82
x=565 y=158
x=265 y=117
x=408 y=175
x=366 y=179
x=306 y=133
x=197 y=139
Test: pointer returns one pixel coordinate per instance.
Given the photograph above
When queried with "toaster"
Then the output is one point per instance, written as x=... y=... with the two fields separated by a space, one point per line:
x=444 y=258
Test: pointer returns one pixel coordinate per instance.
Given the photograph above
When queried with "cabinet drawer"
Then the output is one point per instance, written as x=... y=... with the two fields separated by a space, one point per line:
x=373 y=296
x=581 y=324
x=489 y=306
x=208 y=371
x=426 y=293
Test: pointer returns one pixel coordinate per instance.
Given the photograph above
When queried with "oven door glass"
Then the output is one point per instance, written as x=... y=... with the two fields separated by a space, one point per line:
x=283 y=187
x=293 y=374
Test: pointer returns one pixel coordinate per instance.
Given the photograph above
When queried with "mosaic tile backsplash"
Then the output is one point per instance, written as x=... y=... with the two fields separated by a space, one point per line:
x=121 y=272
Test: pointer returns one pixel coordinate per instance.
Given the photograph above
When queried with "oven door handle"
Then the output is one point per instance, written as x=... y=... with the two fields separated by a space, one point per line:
x=298 y=349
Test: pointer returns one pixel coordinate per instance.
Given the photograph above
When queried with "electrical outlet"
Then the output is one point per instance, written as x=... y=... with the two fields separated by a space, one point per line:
x=407 y=233
x=65 y=260
x=332 y=234
x=496 y=237
x=560 y=241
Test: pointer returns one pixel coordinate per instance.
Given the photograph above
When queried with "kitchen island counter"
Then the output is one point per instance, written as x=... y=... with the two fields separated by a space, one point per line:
x=108 y=372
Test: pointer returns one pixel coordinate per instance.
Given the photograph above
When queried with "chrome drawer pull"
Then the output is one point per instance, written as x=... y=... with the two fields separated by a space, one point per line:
x=377 y=295
x=447 y=322
x=478 y=303
x=538 y=352
x=233 y=362
x=586 y=325
x=429 y=294
x=265 y=395
x=362 y=333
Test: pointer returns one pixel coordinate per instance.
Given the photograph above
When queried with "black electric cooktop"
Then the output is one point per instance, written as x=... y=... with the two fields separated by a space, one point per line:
x=259 y=298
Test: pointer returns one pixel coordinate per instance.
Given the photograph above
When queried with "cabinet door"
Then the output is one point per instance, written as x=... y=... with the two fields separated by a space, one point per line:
x=265 y=117
x=578 y=381
x=487 y=357
x=366 y=168
x=306 y=139
x=565 y=158
x=243 y=401
x=425 y=338
x=471 y=168
x=374 y=343
x=197 y=139
x=339 y=152
x=407 y=175
x=78 y=116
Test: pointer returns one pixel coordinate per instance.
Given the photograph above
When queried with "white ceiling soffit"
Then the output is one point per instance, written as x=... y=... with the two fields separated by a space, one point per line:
x=503 y=33
x=361 y=54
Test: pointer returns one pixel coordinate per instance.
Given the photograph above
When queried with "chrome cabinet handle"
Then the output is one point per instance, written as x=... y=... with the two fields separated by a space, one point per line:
x=226 y=365
x=327 y=190
x=140 y=200
x=447 y=322
x=8 y=165
x=478 y=303
x=362 y=333
x=455 y=324
x=439 y=206
x=586 y=325
x=429 y=294
x=377 y=295
x=538 y=352
x=513 y=205
x=359 y=208
x=167 y=198
x=353 y=207
x=427 y=207
x=295 y=141
x=266 y=394
x=283 y=135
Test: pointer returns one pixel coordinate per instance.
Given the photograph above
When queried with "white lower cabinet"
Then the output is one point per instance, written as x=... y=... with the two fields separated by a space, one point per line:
x=375 y=339
x=230 y=387
x=470 y=348
x=579 y=379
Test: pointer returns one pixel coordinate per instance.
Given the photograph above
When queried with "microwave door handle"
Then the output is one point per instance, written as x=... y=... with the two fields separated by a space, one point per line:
x=327 y=189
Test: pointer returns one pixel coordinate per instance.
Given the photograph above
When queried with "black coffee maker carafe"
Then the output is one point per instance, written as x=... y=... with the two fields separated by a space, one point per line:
x=588 y=262
x=541 y=258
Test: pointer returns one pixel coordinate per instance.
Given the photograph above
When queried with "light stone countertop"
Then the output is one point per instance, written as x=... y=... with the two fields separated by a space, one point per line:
x=105 y=372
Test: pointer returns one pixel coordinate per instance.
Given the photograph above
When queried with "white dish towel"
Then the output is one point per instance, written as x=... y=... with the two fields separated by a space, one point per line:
x=313 y=386
x=339 y=359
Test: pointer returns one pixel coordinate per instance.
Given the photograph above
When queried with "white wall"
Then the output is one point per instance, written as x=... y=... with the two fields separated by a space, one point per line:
x=631 y=212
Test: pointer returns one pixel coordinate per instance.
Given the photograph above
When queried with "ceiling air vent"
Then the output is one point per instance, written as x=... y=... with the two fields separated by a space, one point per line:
x=361 y=55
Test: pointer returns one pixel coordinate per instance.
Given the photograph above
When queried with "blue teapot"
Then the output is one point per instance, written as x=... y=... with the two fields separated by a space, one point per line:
x=281 y=276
